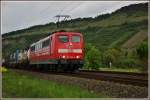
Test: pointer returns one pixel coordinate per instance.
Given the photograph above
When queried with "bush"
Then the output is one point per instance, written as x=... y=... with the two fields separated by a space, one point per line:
x=127 y=62
x=142 y=52
x=92 y=57
x=110 y=55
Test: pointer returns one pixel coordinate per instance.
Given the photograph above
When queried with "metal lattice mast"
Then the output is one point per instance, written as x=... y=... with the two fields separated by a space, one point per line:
x=63 y=16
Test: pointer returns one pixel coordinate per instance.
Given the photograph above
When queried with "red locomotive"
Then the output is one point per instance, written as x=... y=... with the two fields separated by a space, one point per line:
x=59 y=51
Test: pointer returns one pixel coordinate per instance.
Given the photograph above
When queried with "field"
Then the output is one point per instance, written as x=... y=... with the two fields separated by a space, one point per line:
x=26 y=86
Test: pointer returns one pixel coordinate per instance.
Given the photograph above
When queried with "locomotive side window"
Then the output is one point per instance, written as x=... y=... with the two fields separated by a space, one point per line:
x=63 y=38
x=75 y=38
x=45 y=43
x=33 y=48
x=37 y=46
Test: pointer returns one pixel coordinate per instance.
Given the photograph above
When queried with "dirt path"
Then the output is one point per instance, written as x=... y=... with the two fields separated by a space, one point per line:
x=135 y=40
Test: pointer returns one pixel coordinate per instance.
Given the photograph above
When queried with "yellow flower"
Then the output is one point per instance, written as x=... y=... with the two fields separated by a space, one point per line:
x=3 y=69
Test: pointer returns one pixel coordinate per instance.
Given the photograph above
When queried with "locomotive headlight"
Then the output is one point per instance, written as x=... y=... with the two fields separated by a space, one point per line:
x=77 y=57
x=63 y=57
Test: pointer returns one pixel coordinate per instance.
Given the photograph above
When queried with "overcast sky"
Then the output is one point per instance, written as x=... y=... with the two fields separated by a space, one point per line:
x=22 y=14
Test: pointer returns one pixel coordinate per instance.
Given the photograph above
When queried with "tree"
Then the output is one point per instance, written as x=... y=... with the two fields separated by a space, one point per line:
x=92 y=57
x=142 y=52
x=111 y=56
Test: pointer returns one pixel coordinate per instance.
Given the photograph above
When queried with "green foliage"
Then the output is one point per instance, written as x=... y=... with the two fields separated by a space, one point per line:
x=92 y=57
x=120 y=59
x=142 y=52
x=128 y=62
x=129 y=10
x=102 y=17
x=110 y=56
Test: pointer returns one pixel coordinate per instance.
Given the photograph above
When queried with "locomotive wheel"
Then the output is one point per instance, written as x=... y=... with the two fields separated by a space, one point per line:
x=56 y=68
x=66 y=67
x=71 y=68
x=44 y=68
x=59 y=68
x=27 y=67
x=75 y=68
x=53 y=68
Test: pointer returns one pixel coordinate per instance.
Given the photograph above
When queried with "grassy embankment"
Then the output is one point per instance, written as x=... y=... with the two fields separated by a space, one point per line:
x=26 y=86
x=122 y=69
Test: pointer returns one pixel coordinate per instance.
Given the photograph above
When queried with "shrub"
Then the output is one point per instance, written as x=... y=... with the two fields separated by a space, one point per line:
x=111 y=55
x=142 y=52
x=92 y=57
x=127 y=62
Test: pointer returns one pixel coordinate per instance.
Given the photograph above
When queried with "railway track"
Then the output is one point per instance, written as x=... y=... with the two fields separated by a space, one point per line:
x=136 y=79
x=139 y=79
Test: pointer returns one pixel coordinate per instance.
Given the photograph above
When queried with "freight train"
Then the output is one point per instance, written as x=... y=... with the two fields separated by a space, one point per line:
x=59 y=51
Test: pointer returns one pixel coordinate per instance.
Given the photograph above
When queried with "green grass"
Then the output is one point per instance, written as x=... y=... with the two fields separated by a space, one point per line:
x=26 y=86
x=121 y=69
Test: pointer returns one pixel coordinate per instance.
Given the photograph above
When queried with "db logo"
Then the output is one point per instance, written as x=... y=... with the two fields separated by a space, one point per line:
x=69 y=46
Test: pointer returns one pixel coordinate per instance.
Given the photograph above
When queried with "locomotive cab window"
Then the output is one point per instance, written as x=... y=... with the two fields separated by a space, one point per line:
x=75 y=38
x=63 y=38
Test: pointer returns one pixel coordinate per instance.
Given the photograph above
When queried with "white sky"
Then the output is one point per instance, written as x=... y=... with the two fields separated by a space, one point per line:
x=17 y=15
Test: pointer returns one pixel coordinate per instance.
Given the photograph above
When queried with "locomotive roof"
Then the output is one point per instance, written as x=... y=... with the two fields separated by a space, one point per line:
x=67 y=33
x=41 y=40
x=56 y=32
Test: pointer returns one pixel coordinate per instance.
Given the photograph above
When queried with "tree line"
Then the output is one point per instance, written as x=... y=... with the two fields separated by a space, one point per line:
x=114 y=57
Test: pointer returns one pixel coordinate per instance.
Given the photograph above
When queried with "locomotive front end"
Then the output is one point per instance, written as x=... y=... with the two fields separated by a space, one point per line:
x=70 y=48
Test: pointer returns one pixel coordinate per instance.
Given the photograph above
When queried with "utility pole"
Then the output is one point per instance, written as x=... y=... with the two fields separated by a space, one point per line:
x=63 y=16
